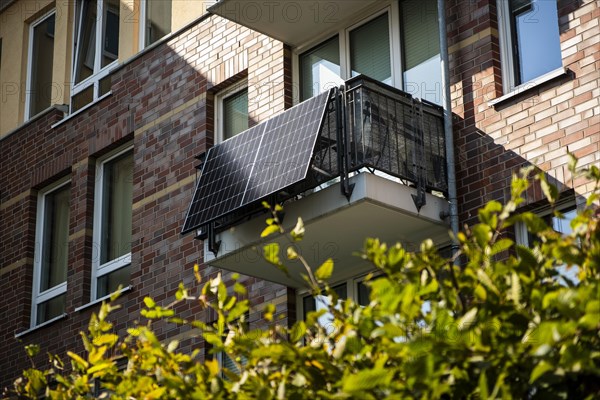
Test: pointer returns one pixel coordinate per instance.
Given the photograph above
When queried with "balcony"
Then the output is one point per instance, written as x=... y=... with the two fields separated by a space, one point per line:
x=292 y=22
x=376 y=169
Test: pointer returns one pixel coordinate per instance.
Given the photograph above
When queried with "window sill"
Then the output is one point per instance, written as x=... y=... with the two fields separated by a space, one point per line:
x=70 y=116
x=42 y=325
x=526 y=87
x=101 y=299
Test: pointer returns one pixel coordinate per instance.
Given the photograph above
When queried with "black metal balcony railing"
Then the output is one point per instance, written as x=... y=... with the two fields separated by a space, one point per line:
x=367 y=125
x=386 y=130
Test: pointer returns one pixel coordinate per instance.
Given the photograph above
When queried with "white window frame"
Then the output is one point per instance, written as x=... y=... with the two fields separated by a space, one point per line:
x=99 y=270
x=343 y=33
x=144 y=21
x=219 y=98
x=60 y=289
x=351 y=290
x=142 y=34
x=521 y=232
x=99 y=72
x=507 y=61
x=28 y=82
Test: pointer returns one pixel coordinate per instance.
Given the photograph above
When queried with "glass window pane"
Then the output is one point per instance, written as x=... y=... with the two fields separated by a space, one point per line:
x=235 y=114
x=364 y=292
x=117 y=203
x=537 y=37
x=55 y=239
x=104 y=85
x=110 y=32
x=82 y=99
x=321 y=302
x=86 y=42
x=158 y=20
x=370 y=50
x=421 y=55
x=50 y=309
x=110 y=282
x=320 y=69
x=42 y=56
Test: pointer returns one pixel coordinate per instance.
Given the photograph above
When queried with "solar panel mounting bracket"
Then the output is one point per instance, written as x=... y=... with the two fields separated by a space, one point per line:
x=213 y=244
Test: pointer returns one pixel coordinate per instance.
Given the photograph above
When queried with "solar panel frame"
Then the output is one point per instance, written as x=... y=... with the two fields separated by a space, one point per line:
x=257 y=163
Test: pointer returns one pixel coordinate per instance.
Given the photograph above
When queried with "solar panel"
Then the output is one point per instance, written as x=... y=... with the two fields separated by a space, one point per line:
x=257 y=162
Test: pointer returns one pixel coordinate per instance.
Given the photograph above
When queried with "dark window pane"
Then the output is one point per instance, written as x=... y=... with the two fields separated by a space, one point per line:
x=42 y=56
x=320 y=69
x=370 y=50
x=110 y=282
x=55 y=239
x=158 y=20
x=117 y=204
x=86 y=45
x=110 y=32
x=235 y=114
x=364 y=292
x=82 y=99
x=105 y=85
x=50 y=309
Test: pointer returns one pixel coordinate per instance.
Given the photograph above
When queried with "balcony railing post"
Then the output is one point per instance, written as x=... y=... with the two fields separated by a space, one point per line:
x=342 y=140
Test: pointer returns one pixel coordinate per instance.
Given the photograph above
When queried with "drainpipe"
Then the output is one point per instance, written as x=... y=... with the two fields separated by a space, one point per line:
x=450 y=165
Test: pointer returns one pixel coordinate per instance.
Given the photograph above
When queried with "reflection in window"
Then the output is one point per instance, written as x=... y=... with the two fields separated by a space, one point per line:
x=561 y=225
x=370 y=50
x=92 y=56
x=320 y=68
x=537 y=49
x=235 y=114
x=113 y=223
x=422 y=62
x=157 y=23
x=41 y=56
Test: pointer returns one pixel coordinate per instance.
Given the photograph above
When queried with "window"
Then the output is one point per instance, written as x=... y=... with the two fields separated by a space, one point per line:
x=562 y=225
x=51 y=254
x=94 y=57
x=232 y=112
x=406 y=30
x=354 y=289
x=529 y=39
x=112 y=223
x=156 y=21
x=38 y=95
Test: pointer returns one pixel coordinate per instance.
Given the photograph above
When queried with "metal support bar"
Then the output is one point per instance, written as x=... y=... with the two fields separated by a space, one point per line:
x=343 y=150
x=213 y=243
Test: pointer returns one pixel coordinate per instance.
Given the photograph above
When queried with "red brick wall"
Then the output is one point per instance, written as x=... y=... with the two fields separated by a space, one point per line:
x=534 y=127
x=159 y=103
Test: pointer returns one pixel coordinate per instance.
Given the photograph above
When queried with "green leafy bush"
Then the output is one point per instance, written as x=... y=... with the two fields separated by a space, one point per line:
x=499 y=324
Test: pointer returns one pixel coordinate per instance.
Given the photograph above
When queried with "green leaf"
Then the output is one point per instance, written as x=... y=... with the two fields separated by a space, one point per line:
x=269 y=230
x=550 y=191
x=540 y=370
x=483 y=386
x=325 y=270
x=298 y=231
x=367 y=379
x=271 y=253
x=467 y=320
x=291 y=253
x=487 y=281
x=149 y=302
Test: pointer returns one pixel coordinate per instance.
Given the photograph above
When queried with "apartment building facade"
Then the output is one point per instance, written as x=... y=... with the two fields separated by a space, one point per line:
x=114 y=113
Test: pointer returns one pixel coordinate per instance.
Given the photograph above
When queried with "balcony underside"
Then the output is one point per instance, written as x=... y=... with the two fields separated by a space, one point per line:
x=336 y=228
x=292 y=22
